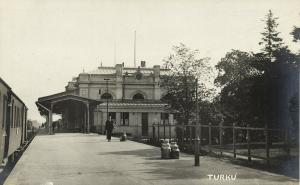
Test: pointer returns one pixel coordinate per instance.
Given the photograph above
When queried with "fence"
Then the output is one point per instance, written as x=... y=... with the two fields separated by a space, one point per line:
x=235 y=140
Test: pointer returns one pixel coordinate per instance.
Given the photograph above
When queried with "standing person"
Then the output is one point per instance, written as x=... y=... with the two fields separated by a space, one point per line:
x=53 y=126
x=109 y=126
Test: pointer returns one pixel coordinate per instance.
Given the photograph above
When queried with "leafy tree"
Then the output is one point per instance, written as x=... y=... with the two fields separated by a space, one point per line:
x=296 y=34
x=185 y=67
x=256 y=88
x=234 y=67
x=280 y=74
x=239 y=81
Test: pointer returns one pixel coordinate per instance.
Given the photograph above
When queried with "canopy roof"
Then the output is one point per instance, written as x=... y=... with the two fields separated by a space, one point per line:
x=63 y=99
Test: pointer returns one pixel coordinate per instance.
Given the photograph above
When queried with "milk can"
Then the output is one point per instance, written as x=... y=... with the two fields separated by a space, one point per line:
x=123 y=137
x=174 y=151
x=165 y=150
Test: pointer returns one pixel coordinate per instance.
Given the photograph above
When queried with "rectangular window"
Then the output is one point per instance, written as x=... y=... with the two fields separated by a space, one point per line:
x=2 y=103
x=15 y=116
x=18 y=117
x=124 y=118
x=112 y=116
x=22 y=116
x=11 y=112
x=164 y=117
x=4 y=110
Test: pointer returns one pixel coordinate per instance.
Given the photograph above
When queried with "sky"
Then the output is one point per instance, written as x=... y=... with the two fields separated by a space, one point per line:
x=44 y=43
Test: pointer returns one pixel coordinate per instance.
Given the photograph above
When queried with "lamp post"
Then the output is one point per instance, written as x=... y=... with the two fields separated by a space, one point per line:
x=106 y=79
x=198 y=130
x=123 y=85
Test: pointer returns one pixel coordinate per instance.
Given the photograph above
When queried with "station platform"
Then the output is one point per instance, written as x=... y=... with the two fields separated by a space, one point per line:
x=88 y=159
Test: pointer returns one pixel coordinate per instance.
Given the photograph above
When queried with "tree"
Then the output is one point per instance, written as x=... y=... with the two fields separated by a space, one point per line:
x=234 y=67
x=238 y=79
x=271 y=41
x=185 y=67
x=256 y=88
x=280 y=74
x=296 y=34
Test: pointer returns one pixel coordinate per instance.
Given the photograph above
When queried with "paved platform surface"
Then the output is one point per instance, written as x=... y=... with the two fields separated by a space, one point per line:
x=83 y=159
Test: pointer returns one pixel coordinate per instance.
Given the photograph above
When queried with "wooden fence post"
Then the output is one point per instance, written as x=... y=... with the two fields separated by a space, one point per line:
x=286 y=142
x=221 y=137
x=170 y=133
x=249 y=143
x=191 y=134
x=209 y=137
x=158 y=134
x=267 y=144
x=153 y=133
x=234 y=141
x=164 y=122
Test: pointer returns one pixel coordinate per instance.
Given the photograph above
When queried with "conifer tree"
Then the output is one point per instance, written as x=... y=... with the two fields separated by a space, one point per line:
x=271 y=41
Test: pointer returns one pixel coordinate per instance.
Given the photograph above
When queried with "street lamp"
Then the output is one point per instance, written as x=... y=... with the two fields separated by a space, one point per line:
x=106 y=79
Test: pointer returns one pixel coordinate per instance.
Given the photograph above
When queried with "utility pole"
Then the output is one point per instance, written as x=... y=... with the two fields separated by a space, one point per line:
x=134 y=49
x=198 y=130
x=115 y=53
x=106 y=79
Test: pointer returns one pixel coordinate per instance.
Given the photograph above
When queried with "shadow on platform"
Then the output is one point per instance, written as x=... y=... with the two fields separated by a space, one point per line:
x=184 y=169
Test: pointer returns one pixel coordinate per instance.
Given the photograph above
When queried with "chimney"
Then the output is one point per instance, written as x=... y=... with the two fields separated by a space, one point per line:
x=143 y=63
x=156 y=70
x=119 y=70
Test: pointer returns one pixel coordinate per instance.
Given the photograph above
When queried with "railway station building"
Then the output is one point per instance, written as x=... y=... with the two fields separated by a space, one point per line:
x=129 y=96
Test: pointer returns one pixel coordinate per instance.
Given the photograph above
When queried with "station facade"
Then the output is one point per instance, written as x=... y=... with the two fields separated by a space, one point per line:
x=130 y=97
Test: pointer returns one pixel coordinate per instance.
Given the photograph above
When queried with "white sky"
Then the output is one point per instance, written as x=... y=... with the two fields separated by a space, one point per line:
x=44 y=43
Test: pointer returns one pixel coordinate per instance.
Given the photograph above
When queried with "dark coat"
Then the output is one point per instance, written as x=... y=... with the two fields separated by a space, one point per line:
x=109 y=126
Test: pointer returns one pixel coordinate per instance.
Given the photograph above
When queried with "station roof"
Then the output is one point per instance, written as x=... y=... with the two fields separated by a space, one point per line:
x=135 y=103
x=45 y=102
x=112 y=70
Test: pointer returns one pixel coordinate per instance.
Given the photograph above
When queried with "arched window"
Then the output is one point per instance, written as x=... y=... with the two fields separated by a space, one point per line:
x=106 y=96
x=138 y=96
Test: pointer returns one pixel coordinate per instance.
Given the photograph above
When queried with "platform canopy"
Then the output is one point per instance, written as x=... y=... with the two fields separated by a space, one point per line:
x=75 y=110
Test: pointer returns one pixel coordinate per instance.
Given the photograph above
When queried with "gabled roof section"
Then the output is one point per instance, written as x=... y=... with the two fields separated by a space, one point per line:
x=60 y=97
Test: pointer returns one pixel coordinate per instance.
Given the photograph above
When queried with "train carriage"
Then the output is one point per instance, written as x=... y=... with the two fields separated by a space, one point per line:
x=13 y=121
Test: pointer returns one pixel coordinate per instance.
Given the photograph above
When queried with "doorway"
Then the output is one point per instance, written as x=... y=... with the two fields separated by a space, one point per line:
x=144 y=124
x=7 y=118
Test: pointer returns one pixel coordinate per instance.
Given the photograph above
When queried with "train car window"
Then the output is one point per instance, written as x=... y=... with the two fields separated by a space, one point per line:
x=1 y=113
x=17 y=120
x=22 y=116
x=15 y=115
x=18 y=117
x=4 y=110
x=11 y=117
x=1 y=101
x=12 y=114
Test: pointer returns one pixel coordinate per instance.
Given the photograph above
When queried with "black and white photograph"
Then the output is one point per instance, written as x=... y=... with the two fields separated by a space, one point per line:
x=149 y=92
